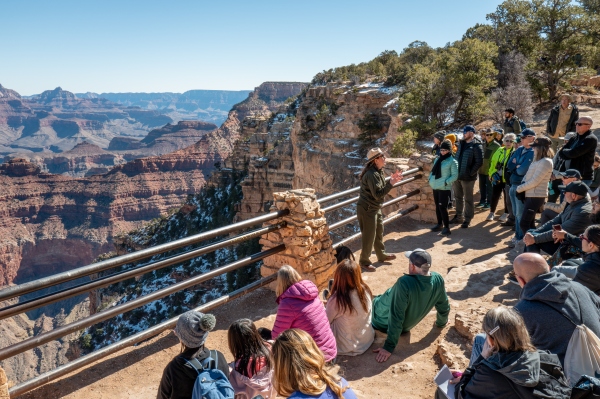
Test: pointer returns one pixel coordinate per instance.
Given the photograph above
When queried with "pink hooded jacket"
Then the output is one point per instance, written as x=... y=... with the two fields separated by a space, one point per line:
x=300 y=307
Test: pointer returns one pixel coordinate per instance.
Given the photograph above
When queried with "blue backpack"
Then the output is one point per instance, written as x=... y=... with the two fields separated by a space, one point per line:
x=211 y=383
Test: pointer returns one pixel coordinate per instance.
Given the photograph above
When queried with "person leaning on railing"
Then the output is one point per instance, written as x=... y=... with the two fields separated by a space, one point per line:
x=373 y=189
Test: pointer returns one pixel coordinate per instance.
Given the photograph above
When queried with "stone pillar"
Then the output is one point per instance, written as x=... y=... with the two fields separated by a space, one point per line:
x=3 y=385
x=306 y=237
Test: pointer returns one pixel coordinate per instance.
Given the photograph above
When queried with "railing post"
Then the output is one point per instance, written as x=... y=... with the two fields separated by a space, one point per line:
x=308 y=245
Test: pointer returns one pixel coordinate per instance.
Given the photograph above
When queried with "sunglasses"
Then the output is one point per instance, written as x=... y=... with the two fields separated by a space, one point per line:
x=509 y=141
x=582 y=124
x=584 y=238
x=490 y=134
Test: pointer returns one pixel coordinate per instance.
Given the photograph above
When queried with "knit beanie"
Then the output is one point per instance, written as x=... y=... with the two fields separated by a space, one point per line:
x=446 y=145
x=192 y=328
x=440 y=135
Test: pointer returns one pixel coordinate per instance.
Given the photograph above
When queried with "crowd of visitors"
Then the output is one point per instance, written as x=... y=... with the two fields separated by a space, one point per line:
x=549 y=184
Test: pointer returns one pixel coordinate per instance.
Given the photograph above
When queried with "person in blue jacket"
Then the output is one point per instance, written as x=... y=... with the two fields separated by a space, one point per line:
x=443 y=174
x=517 y=166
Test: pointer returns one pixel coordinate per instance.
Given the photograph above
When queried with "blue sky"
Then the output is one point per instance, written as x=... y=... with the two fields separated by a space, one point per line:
x=177 y=45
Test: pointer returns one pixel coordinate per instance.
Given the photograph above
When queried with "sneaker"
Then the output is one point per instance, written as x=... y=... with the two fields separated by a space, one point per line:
x=437 y=227
x=480 y=205
x=368 y=268
x=490 y=217
x=508 y=223
x=465 y=224
x=503 y=218
x=512 y=242
x=446 y=232
x=457 y=219
x=512 y=277
x=486 y=206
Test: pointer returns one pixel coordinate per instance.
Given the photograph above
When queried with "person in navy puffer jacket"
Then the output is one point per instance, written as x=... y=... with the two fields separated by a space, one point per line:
x=300 y=307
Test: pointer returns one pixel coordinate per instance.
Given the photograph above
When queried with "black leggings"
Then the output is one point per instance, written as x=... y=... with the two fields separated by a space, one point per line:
x=442 y=199
x=530 y=208
x=496 y=193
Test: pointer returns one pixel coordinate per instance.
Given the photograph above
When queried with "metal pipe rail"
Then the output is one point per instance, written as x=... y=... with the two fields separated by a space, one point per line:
x=26 y=306
x=132 y=340
x=25 y=288
x=390 y=202
x=357 y=189
x=354 y=199
x=32 y=342
x=403 y=212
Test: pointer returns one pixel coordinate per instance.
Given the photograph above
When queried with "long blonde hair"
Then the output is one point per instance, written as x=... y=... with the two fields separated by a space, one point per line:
x=507 y=329
x=286 y=277
x=299 y=365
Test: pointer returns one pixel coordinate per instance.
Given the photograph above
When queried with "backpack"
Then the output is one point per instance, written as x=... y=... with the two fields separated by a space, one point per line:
x=523 y=125
x=211 y=382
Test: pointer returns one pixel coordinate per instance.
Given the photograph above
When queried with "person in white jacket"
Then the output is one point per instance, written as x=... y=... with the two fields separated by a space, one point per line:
x=534 y=188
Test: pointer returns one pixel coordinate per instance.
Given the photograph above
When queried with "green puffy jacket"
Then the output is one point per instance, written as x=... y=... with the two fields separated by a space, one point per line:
x=501 y=156
x=489 y=149
x=449 y=175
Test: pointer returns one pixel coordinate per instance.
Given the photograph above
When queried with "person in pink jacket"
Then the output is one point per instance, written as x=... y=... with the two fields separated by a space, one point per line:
x=300 y=307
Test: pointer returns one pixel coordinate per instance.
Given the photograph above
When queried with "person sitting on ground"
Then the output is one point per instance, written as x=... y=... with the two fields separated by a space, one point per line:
x=373 y=189
x=548 y=300
x=300 y=307
x=574 y=219
x=179 y=376
x=301 y=372
x=490 y=146
x=534 y=187
x=508 y=366
x=408 y=301
x=443 y=174
x=498 y=179
x=581 y=149
x=552 y=209
x=251 y=370
x=586 y=270
x=349 y=310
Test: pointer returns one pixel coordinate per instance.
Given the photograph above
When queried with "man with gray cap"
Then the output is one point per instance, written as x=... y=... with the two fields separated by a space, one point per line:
x=561 y=120
x=408 y=301
x=179 y=376
x=580 y=150
x=373 y=189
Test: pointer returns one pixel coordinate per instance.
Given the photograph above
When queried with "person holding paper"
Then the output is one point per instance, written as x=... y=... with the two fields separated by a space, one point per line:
x=509 y=366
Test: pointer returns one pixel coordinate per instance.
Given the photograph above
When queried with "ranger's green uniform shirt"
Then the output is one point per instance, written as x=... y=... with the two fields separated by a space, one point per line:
x=407 y=302
x=373 y=188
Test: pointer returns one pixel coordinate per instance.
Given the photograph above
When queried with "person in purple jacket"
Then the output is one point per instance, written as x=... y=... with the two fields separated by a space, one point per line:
x=300 y=371
x=300 y=307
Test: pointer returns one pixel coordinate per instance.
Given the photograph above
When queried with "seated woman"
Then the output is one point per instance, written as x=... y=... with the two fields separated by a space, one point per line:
x=349 y=310
x=251 y=371
x=179 y=376
x=300 y=371
x=300 y=307
x=509 y=365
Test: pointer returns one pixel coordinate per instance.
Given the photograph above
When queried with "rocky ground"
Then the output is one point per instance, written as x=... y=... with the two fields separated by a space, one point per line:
x=473 y=262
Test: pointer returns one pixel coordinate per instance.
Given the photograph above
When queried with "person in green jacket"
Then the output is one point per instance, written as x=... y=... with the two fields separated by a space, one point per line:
x=373 y=189
x=408 y=301
x=498 y=180
x=485 y=187
x=443 y=174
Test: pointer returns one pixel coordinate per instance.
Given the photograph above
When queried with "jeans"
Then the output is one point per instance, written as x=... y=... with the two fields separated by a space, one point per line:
x=508 y=208
x=517 y=210
x=587 y=182
x=485 y=189
x=463 y=190
x=478 y=342
x=442 y=198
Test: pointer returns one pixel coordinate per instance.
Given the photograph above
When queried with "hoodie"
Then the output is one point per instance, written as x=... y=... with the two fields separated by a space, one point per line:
x=588 y=273
x=300 y=307
x=260 y=383
x=548 y=301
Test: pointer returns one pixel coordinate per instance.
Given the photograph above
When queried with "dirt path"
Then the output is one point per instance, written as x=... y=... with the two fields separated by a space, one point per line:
x=476 y=279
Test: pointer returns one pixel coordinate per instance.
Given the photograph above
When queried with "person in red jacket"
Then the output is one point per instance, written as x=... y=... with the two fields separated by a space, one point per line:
x=300 y=307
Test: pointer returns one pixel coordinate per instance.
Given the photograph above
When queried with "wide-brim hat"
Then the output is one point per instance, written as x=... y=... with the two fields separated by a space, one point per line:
x=374 y=153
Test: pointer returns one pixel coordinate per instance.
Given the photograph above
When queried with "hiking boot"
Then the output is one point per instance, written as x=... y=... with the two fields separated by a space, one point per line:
x=486 y=206
x=457 y=219
x=512 y=277
x=490 y=217
x=512 y=242
x=368 y=267
x=437 y=227
x=503 y=218
x=446 y=232
x=388 y=258
x=465 y=224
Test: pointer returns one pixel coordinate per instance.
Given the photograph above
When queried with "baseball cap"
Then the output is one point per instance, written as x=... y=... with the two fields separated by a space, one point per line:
x=571 y=173
x=468 y=128
x=419 y=257
x=527 y=132
x=576 y=187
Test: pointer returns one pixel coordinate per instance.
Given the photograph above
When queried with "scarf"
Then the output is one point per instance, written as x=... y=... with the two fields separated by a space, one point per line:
x=437 y=167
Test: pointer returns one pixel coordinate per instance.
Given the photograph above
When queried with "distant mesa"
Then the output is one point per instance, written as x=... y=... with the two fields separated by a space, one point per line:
x=124 y=144
x=19 y=167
